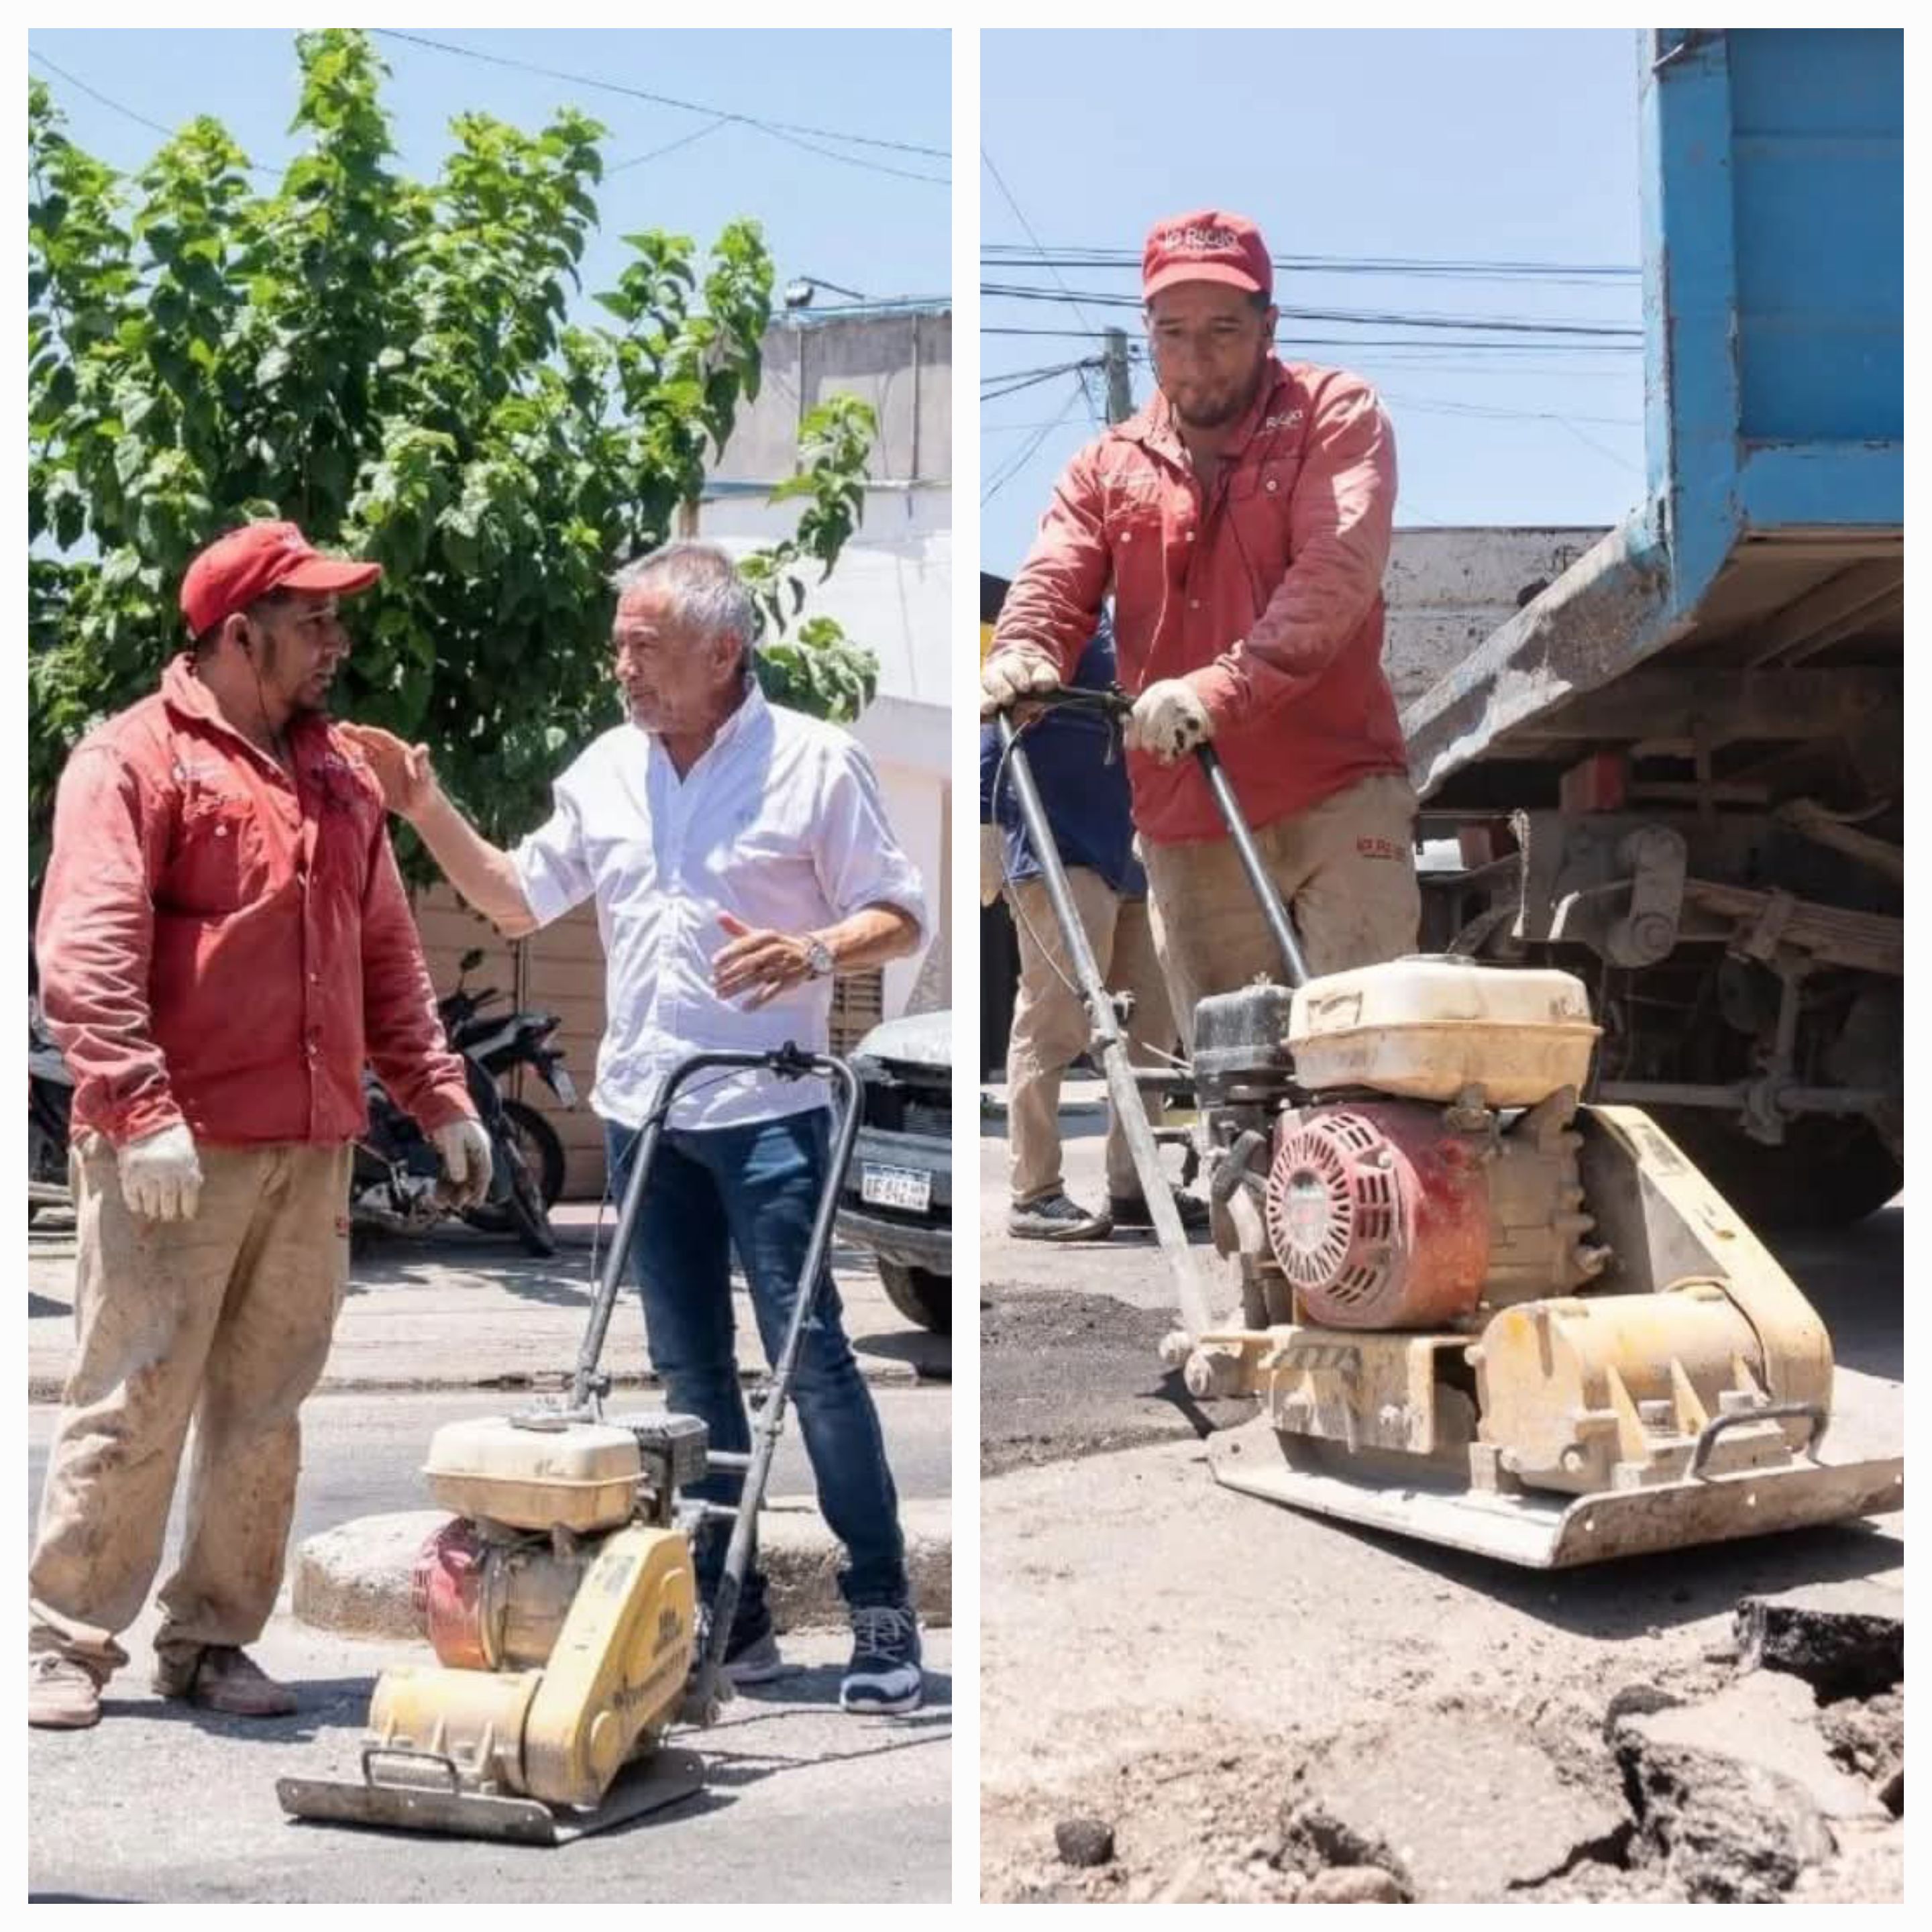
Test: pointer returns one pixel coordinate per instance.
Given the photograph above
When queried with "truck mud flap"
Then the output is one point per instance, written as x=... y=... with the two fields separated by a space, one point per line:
x=1547 y=1531
x=387 y=1802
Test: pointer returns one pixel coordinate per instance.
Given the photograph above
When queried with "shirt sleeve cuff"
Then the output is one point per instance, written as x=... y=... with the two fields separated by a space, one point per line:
x=543 y=892
x=1215 y=687
x=138 y=1119
x=443 y=1104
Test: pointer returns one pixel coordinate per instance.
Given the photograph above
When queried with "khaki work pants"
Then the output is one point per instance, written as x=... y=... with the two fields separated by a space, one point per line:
x=1345 y=869
x=224 y=1320
x=1050 y=1028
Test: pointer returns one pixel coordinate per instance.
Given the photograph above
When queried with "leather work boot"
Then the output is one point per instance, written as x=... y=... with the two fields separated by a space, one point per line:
x=62 y=1694
x=223 y=1678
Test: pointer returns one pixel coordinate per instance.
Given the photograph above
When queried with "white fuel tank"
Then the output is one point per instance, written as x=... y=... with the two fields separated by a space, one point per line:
x=584 y=1476
x=1426 y=1028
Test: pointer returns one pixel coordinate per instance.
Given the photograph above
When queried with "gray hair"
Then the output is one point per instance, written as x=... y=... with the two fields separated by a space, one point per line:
x=706 y=591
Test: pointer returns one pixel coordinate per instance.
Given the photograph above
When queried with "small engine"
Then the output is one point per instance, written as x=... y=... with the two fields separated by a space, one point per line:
x=493 y=1586
x=1433 y=1170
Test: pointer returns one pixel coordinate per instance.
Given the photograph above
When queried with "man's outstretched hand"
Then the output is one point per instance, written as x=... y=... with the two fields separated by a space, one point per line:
x=404 y=772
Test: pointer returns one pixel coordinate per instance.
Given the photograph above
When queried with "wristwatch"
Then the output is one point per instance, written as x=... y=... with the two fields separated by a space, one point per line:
x=818 y=957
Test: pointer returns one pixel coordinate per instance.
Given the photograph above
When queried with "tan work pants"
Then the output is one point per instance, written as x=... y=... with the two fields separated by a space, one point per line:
x=1346 y=870
x=224 y=1319
x=1050 y=1028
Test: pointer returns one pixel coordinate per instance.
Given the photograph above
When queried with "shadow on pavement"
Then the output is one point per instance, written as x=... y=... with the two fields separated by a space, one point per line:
x=816 y=1688
x=326 y=1704
x=1637 y=1596
x=930 y=1356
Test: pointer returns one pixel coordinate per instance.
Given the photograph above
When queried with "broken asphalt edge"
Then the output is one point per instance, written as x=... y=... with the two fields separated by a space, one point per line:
x=355 y=1580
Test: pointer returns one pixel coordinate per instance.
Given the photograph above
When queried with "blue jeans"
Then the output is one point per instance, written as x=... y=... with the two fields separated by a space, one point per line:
x=754 y=1189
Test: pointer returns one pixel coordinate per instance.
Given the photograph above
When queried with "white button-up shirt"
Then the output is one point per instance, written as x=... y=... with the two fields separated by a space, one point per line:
x=779 y=822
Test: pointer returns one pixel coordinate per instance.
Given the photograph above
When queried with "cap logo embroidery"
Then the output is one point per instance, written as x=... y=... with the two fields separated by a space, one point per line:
x=1202 y=240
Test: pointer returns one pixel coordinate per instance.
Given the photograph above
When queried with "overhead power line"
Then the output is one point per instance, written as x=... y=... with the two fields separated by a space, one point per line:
x=95 y=94
x=1019 y=215
x=1295 y=340
x=1021 y=457
x=669 y=147
x=1027 y=378
x=1365 y=317
x=1001 y=254
x=801 y=134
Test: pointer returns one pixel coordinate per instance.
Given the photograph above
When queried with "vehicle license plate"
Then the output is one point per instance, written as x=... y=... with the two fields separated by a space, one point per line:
x=564 y=1086
x=895 y=1187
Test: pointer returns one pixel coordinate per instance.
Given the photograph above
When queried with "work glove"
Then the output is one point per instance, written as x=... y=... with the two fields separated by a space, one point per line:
x=467 y=1159
x=161 y=1175
x=1169 y=720
x=992 y=863
x=1012 y=673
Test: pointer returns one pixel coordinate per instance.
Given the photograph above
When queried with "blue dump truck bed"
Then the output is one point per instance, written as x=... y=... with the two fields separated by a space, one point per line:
x=1756 y=597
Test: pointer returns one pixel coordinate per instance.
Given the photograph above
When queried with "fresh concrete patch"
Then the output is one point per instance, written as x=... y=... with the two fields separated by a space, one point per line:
x=356 y=1579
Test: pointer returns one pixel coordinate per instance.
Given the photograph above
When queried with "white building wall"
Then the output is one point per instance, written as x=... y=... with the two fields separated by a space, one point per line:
x=891 y=591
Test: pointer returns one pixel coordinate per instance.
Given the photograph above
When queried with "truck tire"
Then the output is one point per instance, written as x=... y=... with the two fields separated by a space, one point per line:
x=919 y=1295
x=1827 y=1173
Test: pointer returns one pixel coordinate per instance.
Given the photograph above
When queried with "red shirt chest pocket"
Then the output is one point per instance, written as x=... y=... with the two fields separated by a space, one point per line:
x=218 y=860
x=1259 y=496
x=1136 y=534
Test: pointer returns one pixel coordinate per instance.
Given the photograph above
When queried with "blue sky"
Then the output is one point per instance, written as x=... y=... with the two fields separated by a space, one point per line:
x=1459 y=145
x=874 y=232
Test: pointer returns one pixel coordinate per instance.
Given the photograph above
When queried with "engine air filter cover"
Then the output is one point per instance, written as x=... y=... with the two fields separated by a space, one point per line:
x=1379 y=1216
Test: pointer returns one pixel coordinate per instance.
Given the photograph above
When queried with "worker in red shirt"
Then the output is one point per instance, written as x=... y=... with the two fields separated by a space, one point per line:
x=1242 y=522
x=223 y=939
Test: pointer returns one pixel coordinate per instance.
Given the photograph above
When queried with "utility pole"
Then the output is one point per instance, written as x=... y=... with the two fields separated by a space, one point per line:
x=1119 y=396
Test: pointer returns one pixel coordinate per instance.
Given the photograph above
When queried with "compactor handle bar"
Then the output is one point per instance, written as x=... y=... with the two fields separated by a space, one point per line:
x=1114 y=703
x=788 y=1063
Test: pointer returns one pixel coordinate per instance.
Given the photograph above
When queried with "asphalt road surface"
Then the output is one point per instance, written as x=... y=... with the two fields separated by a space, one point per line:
x=803 y=1804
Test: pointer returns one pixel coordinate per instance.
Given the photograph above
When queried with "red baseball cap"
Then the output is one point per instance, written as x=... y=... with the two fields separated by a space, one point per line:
x=235 y=570
x=1209 y=245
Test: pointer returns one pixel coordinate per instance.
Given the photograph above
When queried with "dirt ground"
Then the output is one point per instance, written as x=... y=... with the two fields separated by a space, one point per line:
x=1188 y=1683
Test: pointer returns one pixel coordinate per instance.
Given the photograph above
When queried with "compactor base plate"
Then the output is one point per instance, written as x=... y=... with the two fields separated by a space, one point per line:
x=1542 y=1531
x=666 y=1777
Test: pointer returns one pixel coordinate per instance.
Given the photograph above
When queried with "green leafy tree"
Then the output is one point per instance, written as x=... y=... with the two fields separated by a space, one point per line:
x=388 y=363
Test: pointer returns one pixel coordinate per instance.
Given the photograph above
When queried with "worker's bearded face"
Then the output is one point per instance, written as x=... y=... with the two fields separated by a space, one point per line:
x=296 y=645
x=1209 y=344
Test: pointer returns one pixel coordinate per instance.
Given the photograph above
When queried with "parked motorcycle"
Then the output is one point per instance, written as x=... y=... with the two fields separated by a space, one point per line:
x=398 y=1184
x=502 y=1041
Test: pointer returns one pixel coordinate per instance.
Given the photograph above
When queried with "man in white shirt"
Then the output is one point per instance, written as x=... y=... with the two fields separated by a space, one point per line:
x=740 y=856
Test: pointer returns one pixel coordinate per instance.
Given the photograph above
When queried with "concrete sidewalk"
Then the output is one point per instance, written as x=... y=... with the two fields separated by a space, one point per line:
x=355 y=1580
x=466 y=1310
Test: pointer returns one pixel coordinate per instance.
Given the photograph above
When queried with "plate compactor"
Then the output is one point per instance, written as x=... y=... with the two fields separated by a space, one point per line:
x=562 y=1600
x=1473 y=1309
